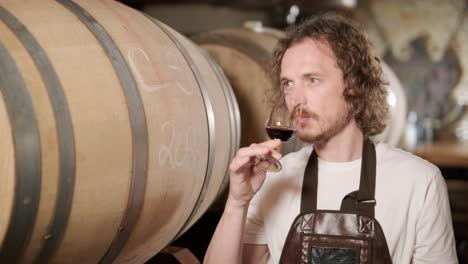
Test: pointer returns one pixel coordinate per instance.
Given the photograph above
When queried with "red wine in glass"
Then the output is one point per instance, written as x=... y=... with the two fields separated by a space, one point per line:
x=280 y=132
x=281 y=124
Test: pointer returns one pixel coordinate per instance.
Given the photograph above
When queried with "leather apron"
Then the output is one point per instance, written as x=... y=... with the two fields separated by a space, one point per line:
x=349 y=236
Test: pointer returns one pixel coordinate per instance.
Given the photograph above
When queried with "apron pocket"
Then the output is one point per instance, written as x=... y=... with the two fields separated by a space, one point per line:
x=327 y=249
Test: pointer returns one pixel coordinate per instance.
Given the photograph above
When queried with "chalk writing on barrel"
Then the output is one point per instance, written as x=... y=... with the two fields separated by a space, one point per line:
x=179 y=149
x=154 y=87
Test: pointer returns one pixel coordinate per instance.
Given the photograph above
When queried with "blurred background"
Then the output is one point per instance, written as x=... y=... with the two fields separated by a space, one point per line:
x=423 y=42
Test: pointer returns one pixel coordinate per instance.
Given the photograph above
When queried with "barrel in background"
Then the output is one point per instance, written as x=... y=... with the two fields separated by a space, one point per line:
x=117 y=133
x=244 y=54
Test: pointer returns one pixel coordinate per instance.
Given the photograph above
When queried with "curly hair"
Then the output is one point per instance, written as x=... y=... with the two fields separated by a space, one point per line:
x=362 y=73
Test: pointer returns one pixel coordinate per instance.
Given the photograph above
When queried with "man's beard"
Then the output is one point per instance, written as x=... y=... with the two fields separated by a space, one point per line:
x=325 y=135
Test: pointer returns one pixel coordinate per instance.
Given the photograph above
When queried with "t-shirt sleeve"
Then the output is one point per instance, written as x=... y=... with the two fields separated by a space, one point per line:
x=435 y=242
x=254 y=232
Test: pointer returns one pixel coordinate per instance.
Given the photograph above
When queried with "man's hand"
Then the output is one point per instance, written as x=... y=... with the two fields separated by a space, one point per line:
x=246 y=178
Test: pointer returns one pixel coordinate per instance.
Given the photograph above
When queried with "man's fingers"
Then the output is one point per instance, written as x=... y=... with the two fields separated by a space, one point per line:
x=247 y=159
x=263 y=164
x=244 y=156
x=273 y=143
x=253 y=150
x=239 y=163
x=259 y=149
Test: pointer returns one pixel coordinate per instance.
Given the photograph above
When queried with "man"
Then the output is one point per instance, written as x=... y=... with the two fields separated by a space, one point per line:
x=326 y=66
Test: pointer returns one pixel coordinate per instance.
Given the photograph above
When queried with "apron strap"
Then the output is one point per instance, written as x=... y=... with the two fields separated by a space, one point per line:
x=309 y=185
x=361 y=201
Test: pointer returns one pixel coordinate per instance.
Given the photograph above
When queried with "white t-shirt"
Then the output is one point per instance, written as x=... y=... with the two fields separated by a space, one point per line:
x=412 y=204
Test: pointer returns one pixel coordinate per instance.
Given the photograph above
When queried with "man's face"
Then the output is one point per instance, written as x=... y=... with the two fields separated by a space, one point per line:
x=310 y=77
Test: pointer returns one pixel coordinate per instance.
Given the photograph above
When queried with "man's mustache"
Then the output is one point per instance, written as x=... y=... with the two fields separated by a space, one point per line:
x=304 y=113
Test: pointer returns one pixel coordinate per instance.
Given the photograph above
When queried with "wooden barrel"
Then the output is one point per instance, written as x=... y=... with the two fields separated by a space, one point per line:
x=244 y=54
x=117 y=133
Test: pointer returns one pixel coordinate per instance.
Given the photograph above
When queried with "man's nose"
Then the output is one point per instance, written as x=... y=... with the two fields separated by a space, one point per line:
x=297 y=96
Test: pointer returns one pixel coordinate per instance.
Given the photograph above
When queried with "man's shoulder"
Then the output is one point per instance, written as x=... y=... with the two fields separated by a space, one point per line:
x=400 y=161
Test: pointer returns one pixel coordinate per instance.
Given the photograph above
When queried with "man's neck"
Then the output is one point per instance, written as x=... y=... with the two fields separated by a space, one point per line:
x=344 y=147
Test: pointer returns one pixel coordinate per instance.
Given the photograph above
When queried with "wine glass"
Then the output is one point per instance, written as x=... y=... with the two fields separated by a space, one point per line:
x=281 y=124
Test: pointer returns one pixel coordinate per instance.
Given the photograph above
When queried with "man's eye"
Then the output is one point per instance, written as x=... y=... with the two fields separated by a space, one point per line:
x=285 y=84
x=314 y=81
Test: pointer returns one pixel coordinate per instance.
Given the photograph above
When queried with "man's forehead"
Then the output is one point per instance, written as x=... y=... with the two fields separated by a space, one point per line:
x=309 y=51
